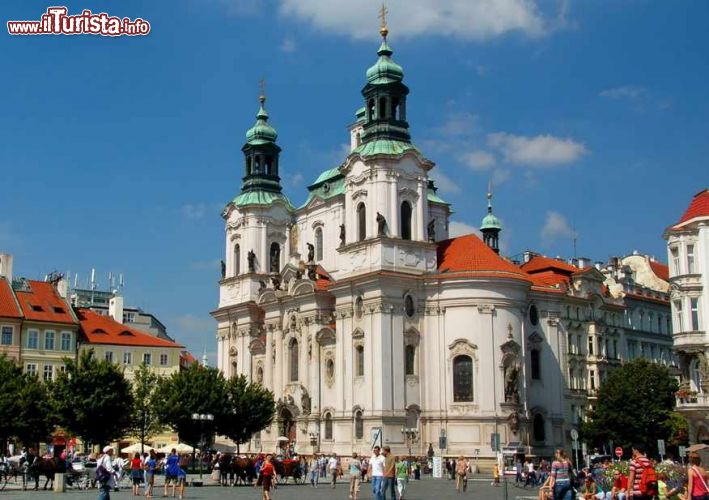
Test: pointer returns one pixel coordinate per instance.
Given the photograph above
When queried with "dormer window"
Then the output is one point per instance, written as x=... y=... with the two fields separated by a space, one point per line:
x=37 y=308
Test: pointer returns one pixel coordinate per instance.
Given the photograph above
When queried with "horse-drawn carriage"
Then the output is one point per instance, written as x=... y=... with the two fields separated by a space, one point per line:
x=239 y=469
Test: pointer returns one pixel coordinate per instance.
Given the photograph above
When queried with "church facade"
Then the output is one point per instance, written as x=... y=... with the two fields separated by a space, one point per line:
x=367 y=321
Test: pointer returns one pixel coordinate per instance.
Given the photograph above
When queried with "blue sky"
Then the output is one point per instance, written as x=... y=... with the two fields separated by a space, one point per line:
x=119 y=153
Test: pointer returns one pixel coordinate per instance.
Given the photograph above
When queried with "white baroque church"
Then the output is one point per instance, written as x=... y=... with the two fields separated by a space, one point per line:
x=364 y=318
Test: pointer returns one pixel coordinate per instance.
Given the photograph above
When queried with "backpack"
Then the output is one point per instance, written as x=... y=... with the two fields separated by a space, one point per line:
x=102 y=475
x=648 y=481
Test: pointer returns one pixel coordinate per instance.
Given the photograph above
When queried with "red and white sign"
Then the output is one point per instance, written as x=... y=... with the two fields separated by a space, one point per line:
x=619 y=452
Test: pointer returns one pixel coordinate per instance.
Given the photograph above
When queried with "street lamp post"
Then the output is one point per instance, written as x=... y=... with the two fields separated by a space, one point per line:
x=410 y=436
x=202 y=418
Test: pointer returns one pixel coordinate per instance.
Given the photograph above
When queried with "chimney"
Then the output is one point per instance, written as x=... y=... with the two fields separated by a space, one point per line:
x=6 y=266
x=584 y=262
x=527 y=256
x=115 y=308
x=63 y=287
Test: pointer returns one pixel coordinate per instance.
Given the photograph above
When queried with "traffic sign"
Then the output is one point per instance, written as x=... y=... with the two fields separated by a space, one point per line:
x=682 y=451
x=495 y=441
x=574 y=434
x=619 y=452
x=661 y=447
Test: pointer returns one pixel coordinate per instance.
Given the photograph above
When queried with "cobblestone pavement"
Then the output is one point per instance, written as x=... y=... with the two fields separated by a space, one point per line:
x=479 y=488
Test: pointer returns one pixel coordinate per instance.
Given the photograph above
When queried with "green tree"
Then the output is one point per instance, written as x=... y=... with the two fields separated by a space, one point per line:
x=93 y=400
x=146 y=421
x=635 y=405
x=10 y=384
x=198 y=389
x=249 y=408
x=36 y=419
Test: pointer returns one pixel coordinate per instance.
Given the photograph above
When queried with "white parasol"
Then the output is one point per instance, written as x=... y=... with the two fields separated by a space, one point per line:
x=180 y=447
x=135 y=448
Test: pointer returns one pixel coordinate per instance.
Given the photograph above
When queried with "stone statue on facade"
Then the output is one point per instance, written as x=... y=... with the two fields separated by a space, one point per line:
x=252 y=261
x=223 y=269
x=381 y=225
x=513 y=420
x=511 y=376
x=432 y=230
x=312 y=274
x=342 y=235
x=276 y=281
x=311 y=252
x=305 y=402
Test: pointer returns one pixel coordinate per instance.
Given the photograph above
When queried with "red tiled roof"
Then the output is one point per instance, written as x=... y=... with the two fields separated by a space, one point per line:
x=470 y=254
x=324 y=279
x=661 y=270
x=8 y=305
x=540 y=263
x=548 y=278
x=638 y=296
x=43 y=303
x=699 y=207
x=100 y=329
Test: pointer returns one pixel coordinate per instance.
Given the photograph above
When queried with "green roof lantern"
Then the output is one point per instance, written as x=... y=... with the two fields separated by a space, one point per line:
x=491 y=226
x=262 y=132
x=385 y=70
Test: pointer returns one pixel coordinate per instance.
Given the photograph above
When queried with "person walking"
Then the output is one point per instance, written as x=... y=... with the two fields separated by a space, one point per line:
x=461 y=474
x=389 y=479
x=172 y=468
x=697 y=488
x=376 y=472
x=496 y=474
x=332 y=468
x=151 y=464
x=637 y=465
x=105 y=475
x=560 y=483
x=355 y=475
x=266 y=477
x=314 y=471
x=136 y=474
x=402 y=477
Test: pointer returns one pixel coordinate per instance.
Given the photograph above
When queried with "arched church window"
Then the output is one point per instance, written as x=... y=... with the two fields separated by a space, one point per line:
x=382 y=107
x=462 y=378
x=359 y=361
x=269 y=166
x=359 y=307
x=257 y=165
x=237 y=260
x=330 y=369
x=361 y=222
x=318 y=244
x=328 y=426
x=293 y=359
x=536 y=367
x=358 y=139
x=539 y=430
x=275 y=257
x=259 y=375
x=405 y=220
x=370 y=109
x=395 y=114
x=534 y=315
x=410 y=362
x=359 y=425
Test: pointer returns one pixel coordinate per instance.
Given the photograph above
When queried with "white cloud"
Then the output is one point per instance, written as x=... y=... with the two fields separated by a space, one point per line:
x=555 y=226
x=466 y=19
x=478 y=160
x=456 y=228
x=632 y=92
x=288 y=45
x=194 y=211
x=443 y=182
x=537 y=151
x=458 y=124
x=196 y=324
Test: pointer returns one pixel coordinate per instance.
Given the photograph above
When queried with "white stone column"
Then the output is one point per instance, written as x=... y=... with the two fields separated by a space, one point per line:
x=421 y=212
x=220 y=357
x=264 y=261
x=393 y=206
x=268 y=362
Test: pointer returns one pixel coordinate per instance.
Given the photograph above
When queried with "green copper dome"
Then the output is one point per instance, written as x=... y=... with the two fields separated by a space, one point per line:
x=385 y=70
x=491 y=222
x=261 y=132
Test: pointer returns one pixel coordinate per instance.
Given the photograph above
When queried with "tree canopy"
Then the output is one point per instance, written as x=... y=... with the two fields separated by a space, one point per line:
x=249 y=409
x=93 y=400
x=146 y=420
x=36 y=419
x=635 y=405
x=11 y=381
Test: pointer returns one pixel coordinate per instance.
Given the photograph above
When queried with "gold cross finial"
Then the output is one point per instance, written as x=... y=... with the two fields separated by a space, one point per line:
x=383 y=17
x=262 y=89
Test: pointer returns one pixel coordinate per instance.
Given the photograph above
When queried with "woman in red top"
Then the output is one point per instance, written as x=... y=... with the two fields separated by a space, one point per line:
x=697 y=476
x=136 y=474
x=266 y=477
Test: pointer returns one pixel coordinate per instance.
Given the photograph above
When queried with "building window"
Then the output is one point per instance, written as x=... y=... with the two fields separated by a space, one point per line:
x=318 y=244
x=147 y=358
x=539 y=431
x=536 y=368
x=129 y=317
x=32 y=339
x=410 y=364
x=359 y=361
x=127 y=358
x=592 y=378
x=259 y=375
x=678 y=315
x=462 y=378
x=359 y=307
x=275 y=257
x=237 y=260
x=405 y=220
x=675 y=260
x=163 y=360
x=359 y=425
x=48 y=373
x=31 y=369
x=328 y=426
x=409 y=306
x=571 y=344
x=694 y=309
x=361 y=222
x=690 y=259
x=49 y=341
x=66 y=341
x=330 y=369
x=109 y=356
x=6 y=335
x=590 y=346
x=534 y=315
x=293 y=357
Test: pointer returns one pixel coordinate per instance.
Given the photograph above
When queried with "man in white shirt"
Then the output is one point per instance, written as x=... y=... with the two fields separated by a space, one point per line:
x=105 y=463
x=332 y=468
x=376 y=472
